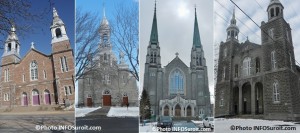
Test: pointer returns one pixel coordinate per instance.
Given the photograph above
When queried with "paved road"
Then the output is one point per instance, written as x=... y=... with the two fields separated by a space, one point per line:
x=28 y=123
x=107 y=124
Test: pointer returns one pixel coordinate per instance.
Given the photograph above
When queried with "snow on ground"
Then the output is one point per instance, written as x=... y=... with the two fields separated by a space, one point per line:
x=81 y=112
x=123 y=112
x=198 y=123
x=148 y=127
x=225 y=125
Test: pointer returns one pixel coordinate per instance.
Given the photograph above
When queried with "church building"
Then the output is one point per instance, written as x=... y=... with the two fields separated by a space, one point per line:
x=38 y=79
x=260 y=80
x=109 y=83
x=177 y=90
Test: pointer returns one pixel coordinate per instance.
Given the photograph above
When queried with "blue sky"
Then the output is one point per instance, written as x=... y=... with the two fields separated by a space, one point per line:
x=96 y=7
x=42 y=35
x=257 y=10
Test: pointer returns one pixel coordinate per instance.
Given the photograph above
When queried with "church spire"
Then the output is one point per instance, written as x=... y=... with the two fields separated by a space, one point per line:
x=232 y=30
x=196 y=38
x=154 y=33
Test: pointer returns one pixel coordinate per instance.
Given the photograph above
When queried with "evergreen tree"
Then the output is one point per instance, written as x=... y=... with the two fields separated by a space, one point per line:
x=145 y=112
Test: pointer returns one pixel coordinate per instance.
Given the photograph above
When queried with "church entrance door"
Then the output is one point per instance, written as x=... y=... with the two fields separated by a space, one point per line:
x=125 y=100
x=188 y=111
x=177 y=110
x=106 y=100
x=89 y=102
x=166 y=110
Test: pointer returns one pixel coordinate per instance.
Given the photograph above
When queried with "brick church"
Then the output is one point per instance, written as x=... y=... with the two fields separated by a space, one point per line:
x=38 y=79
x=260 y=80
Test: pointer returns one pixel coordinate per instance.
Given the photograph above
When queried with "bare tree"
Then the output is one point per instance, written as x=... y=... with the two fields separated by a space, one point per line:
x=19 y=13
x=125 y=34
x=86 y=42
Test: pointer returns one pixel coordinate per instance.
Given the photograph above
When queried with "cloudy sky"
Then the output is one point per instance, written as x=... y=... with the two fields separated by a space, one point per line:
x=257 y=10
x=175 y=20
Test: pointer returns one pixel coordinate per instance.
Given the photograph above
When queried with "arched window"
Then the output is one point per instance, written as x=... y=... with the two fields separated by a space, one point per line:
x=105 y=57
x=224 y=73
x=228 y=34
x=9 y=47
x=236 y=70
x=105 y=39
x=246 y=66
x=277 y=11
x=58 y=32
x=176 y=82
x=33 y=70
x=225 y=52
x=276 y=92
x=273 y=60
x=272 y=12
x=257 y=64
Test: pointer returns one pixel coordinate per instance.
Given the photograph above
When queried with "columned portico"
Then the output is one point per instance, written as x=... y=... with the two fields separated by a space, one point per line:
x=177 y=107
x=250 y=99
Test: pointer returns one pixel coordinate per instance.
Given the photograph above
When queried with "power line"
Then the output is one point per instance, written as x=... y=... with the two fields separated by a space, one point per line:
x=228 y=21
x=260 y=27
x=237 y=18
x=259 y=5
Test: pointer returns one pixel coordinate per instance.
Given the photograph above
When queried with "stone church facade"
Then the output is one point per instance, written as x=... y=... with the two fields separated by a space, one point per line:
x=259 y=80
x=177 y=89
x=109 y=83
x=38 y=79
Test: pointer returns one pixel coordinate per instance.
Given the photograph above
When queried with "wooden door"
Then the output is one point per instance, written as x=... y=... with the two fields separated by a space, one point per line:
x=89 y=102
x=125 y=100
x=106 y=100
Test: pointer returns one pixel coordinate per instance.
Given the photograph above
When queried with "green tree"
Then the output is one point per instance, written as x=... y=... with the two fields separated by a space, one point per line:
x=145 y=107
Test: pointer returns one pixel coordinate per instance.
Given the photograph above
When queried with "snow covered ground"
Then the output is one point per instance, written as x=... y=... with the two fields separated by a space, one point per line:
x=123 y=112
x=243 y=125
x=148 y=128
x=81 y=112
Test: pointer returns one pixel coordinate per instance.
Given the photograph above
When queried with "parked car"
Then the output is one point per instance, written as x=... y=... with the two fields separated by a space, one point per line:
x=209 y=122
x=165 y=121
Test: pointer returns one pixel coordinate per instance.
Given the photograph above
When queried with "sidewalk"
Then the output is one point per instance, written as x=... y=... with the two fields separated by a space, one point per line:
x=37 y=113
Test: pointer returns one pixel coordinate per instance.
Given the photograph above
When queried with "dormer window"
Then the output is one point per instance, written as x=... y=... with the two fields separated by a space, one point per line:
x=58 y=33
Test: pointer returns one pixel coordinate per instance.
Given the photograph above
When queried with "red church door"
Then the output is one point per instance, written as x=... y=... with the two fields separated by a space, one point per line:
x=125 y=100
x=106 y=100
x=89 y=102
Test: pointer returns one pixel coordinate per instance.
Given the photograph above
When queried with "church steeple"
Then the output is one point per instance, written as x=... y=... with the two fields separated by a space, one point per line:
x=154 y=32
x=197 y=53
x=58 y=29
x=12 y=45
x=233 y=30
x=153 y=52
x=275 y=9
x=104 y=31
x=196 y=38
